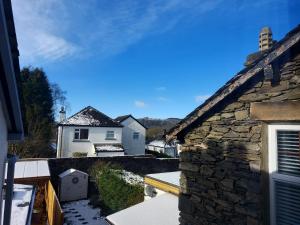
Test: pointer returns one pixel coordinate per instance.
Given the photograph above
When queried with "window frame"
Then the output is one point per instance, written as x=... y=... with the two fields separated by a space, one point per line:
x=110 y=138
x=134 y=135
x=78 y=131
x=274 y=175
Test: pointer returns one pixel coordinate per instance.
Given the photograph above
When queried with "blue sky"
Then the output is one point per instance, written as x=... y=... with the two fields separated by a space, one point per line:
x=148 y=58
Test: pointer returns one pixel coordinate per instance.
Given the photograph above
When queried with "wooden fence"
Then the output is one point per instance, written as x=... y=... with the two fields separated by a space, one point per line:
x=54 y=211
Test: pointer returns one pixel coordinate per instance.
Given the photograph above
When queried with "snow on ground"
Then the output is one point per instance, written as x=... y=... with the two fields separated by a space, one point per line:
x=81 y=213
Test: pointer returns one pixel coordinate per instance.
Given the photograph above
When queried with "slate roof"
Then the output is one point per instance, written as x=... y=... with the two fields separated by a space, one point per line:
x=90 y=116
x=270 y=56
x=120 y=119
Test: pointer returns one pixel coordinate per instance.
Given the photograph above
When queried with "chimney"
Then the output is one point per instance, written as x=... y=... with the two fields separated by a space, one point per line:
x=62 y=114
x=265 y=39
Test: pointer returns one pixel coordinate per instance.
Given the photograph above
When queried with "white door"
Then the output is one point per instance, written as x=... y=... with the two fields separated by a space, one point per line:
x=284 y=171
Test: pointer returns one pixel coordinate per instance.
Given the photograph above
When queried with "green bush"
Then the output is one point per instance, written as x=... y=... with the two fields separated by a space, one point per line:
x=79 y=154
x=115 y=193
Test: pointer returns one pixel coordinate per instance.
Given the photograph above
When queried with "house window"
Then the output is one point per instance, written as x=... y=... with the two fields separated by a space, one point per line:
x=110 y=135
x=136 y=135
x=284 y=173
x=81 y=134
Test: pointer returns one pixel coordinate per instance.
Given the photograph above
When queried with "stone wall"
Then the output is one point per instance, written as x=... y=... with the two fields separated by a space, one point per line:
x=222 y=157
x=136 y=164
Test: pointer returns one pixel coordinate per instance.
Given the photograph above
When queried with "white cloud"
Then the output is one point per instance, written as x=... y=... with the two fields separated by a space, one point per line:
x=201 y=98
x=140 y=104
x=38 y=32
x=52 y=47
x=55 y=29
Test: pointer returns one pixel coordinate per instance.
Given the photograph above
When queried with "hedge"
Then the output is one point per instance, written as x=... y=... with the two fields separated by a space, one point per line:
x=115 y=193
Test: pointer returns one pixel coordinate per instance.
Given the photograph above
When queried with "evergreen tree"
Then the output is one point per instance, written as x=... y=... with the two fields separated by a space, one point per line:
x=37 y=102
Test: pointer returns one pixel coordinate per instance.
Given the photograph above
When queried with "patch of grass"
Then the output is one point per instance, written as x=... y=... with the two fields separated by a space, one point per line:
x=115 y=194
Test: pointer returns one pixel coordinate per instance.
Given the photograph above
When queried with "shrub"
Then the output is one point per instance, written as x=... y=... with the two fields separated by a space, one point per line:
x=115 y=193
x=79 y=154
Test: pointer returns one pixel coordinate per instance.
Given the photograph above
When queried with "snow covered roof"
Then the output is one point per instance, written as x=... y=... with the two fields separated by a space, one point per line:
x=31 y=169
x=70 y=171
x=90 y=116
x=22 y=204
x=160 y=210
x=160 y=143
x=169 y=177
x=108 y=148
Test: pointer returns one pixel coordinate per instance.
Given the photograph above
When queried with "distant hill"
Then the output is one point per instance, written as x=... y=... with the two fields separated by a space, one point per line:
x=156 y=127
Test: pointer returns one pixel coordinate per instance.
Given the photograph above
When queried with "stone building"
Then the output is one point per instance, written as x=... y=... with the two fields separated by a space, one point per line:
x=240 y=158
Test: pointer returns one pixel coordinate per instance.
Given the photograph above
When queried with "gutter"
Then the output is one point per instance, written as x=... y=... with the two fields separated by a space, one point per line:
x=9 y=93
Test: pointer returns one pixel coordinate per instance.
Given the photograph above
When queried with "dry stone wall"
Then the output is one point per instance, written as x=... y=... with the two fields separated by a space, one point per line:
x=221 y=158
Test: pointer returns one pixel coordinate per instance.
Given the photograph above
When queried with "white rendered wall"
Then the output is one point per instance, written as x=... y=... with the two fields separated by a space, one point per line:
x=3 y=152
x=133 y=146
x=97 y=135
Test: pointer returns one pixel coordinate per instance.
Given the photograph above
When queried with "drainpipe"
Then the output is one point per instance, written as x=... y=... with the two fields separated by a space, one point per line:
x=59 y=145
x=61 y=140
x=11 y=160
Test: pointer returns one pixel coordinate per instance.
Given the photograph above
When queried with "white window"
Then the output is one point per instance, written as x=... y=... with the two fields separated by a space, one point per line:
x=136 y=135
x=110 y=135
x=284 y=172
x=81 y=134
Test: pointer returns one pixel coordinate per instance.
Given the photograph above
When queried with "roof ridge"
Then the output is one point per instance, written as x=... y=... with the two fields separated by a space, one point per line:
x=125 y=117
x=92 y=117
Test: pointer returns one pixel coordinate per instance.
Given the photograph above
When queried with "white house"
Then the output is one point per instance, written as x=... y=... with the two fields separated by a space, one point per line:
x=133 y=135
x=89 y=132
x=163 y=147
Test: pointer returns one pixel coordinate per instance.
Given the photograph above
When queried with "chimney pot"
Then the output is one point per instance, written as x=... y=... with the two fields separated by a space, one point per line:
x=265 y=39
